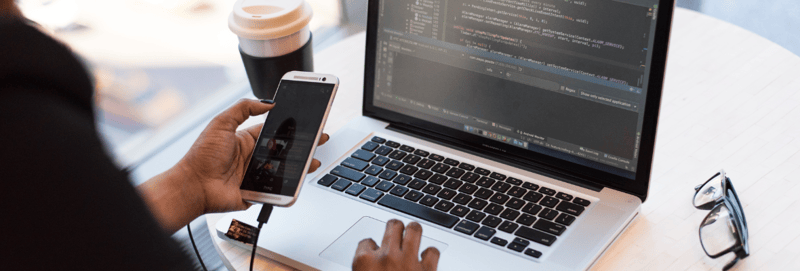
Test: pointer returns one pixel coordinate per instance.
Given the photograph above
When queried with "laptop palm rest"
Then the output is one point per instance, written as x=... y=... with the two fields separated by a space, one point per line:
x=344 y=248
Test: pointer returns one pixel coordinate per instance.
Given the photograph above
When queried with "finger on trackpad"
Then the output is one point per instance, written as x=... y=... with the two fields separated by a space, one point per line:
x=343 y=249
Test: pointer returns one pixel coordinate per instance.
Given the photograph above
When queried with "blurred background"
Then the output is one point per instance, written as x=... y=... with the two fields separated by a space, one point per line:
x=163 y=67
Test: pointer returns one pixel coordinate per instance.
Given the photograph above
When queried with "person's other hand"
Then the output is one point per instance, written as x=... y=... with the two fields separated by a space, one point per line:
x=218 y=159
x=398 y=251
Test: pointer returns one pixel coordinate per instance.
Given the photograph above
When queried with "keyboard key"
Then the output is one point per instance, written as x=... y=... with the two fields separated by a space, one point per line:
x=501 y=187
x=470 y=177
x=536 y=236
x=453 y=183
x=455 y=172
x=563 y=196
x=412 y=159
x=373 y=170
x=416 y=184
x=499 y=241
x=526 y=219
x=533 y=253
x=438 y=179
x=483 y=193
x=436 y=157
x=468 y=189
x=484 y=233
x=516 y=247
x=476 y=216
x=508 y=226
x=378 y=139
x=491 y=221
x=462 y=199
x=406 y=148
x=399 y=190
x=532 y=209
x=392 y=144
x=370 y=146
x=466 y=227
x=517 y=191
x=493 y=209
x=327 y=180
x=482 y=171
x=485 y=182
x=355 y=189
x=498 y=176
x=547 y=191
x=402 y=179
x=548 y=214
x=444 y=206
x=533 y=196
x=426 y=163
x=384 y=186
x=440 y=168
x=570 y=208
x=409 y=169
x=447 y=194
x=466 y=166
x=530 y=186
x=347 y=173
x=510 y=214
x=581 y=202
x=423 y=174
x=397 y=155
x=451 y=162
x=363 y=155
x=421 y=153
x=499 y=198
x=565 y=219
x=388 y=175
x=419 y=211
x=514 y=181
x=549 y=227
x=429 y=200
x=460 y=211
x=341 y=185
x=383 y=150
x=549 y=202
x=515 y=203
x=413 y=195
x=370 y=181
x=355 y=163
x=371 y=195
x=395 y=165
x=431 y=189
x=521 y=241
x=477 y=204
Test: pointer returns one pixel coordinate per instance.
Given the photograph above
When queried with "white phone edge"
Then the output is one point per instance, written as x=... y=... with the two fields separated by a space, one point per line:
x=282 y=200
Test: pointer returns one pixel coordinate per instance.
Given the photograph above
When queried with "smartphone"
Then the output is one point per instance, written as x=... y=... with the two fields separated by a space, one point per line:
x=285 y=148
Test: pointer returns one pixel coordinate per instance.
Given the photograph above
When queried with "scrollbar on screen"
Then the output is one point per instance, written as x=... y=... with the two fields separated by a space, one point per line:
x=287 y=138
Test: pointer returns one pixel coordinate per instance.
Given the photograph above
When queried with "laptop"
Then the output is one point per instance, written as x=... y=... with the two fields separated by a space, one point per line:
x=518 y=133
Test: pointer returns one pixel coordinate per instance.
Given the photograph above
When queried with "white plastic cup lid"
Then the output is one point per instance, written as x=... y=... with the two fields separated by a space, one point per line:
x=269 y=19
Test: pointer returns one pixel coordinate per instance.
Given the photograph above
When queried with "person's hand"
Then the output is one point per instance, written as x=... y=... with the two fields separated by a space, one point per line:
x=218 y=159
x=398 y=252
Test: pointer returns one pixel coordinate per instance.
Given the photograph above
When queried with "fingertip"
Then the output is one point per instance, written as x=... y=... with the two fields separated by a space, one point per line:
x=267 y=101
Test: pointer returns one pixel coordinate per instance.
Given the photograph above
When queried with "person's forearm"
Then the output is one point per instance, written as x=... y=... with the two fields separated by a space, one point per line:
x=9 y=9
x=173 y=199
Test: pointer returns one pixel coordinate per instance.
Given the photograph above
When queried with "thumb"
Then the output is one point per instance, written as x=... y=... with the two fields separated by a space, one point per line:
x=231 y=118
x=430 y=259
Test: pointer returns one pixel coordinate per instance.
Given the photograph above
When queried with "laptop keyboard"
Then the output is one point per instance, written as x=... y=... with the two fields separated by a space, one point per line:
x=465 y=198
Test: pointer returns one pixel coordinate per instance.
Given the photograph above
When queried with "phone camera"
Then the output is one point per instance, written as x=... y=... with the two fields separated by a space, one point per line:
x=324 y=79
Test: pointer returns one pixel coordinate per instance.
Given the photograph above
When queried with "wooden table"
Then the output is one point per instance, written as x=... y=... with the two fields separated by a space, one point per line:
x=731 y=100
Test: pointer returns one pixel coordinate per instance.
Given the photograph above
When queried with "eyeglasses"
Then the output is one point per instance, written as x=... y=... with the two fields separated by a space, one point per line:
x=724 y=229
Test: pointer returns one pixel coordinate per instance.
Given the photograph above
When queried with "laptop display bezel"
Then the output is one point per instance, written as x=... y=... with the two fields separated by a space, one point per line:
x=638 y=186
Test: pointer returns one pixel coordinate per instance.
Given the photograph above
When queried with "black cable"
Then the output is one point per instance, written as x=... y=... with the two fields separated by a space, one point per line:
x=263 y=217
x=189 y=228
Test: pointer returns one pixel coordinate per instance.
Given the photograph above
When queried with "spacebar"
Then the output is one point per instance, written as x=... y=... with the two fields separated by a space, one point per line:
x=425 y=213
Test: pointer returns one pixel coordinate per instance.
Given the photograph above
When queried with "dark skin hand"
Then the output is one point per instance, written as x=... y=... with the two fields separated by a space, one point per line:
x=398 y=251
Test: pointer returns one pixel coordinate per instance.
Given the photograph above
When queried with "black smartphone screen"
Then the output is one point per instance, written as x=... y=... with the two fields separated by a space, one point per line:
x=286 y=140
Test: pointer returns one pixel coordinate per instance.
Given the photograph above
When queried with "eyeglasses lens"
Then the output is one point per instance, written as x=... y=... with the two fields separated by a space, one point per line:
x=717 y=232
x=710 y=192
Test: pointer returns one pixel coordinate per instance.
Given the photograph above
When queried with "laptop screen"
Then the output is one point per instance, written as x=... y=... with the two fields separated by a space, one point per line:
x=567 y=79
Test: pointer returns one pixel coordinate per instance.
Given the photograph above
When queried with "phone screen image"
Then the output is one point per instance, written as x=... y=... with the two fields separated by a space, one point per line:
x=287 y=138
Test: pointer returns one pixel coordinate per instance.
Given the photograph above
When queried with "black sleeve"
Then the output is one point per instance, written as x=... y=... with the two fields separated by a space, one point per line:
x=65 y=205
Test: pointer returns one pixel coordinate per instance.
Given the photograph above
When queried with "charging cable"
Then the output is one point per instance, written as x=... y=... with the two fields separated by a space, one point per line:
x=263 y=217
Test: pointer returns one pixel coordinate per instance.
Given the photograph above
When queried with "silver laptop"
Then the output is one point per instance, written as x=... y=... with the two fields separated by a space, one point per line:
x=519 y=133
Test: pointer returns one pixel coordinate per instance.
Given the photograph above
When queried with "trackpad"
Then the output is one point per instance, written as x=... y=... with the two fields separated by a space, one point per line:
x=344 y=248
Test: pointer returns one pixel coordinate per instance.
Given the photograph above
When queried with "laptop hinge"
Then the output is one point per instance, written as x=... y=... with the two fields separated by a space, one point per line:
x=490 y=154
